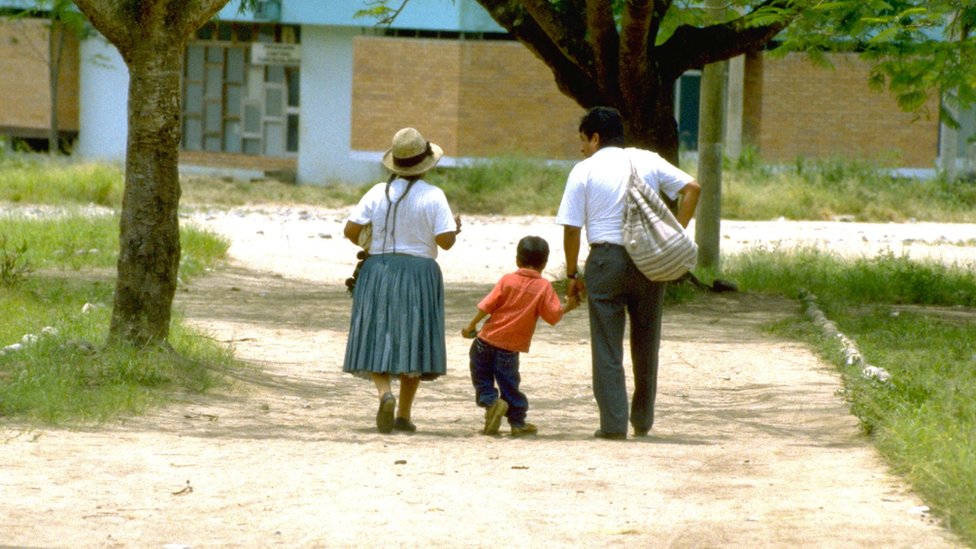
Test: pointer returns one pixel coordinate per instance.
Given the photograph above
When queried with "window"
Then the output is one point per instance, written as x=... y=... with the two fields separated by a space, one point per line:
x=234 y=104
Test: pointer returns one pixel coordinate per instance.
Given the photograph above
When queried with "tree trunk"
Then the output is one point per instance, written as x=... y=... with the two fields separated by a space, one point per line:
x=149 y=240
x=651 y=124
x=710 y=155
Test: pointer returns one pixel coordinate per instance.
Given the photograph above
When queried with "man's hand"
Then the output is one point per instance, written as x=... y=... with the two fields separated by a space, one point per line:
x=576 y=289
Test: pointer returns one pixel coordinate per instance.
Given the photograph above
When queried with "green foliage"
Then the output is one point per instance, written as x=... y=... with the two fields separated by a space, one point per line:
x=919 y=49
x=380 y=11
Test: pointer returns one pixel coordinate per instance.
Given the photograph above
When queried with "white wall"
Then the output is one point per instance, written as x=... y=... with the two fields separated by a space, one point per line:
x=103 y=94
x=448 y=15
x=325 y=122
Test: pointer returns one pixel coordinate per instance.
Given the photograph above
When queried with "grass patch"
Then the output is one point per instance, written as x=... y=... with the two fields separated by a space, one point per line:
x=503 y=186
x=924 y=421
x=886 y=278
x=63 y=375
x=827 y=189
x=804 y=190
x=40 y=179
x=225 y=192
x=75 y=242
x=59 y=314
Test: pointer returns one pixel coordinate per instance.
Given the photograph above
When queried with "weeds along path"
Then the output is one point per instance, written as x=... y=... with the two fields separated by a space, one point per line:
x=753 y=446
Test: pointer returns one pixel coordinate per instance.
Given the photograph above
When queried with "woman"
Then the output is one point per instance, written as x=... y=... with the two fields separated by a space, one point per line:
x=397 y=327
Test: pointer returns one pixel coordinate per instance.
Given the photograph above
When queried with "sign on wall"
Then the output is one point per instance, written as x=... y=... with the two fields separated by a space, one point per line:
x=263 y=53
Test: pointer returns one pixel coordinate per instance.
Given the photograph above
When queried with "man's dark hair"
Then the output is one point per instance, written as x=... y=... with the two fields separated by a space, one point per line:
x=533 y=252
x=605 y=121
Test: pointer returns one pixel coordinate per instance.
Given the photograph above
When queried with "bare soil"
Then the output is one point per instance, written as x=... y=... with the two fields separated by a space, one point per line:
x=753 y=445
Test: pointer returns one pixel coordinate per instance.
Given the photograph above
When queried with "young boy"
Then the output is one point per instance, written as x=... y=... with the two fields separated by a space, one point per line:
x=514 y=305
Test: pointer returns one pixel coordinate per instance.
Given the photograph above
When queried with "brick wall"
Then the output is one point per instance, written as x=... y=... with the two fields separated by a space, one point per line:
x=811 y=111
x=24 y=94
x=510 y=105
x=473 y=98
x=403 y=82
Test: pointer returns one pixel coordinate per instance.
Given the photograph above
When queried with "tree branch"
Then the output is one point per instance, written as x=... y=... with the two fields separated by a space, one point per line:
x=693 y=47
x=602 y=39
x=105 y=16
x=572 y=76
x=187 y=17
x=555 y=28
x=660 y=8
x=634 y=41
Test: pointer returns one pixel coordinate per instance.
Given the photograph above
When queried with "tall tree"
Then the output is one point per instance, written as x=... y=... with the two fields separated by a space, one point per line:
x=151 y=36
x=629 y=54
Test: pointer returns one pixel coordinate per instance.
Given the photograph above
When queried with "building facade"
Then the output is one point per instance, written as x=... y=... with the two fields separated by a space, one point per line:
x=306 y=88
x=25 y=92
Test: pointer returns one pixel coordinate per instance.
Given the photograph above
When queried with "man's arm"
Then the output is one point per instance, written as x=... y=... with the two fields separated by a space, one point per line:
x=571 y=245
x=689 y=201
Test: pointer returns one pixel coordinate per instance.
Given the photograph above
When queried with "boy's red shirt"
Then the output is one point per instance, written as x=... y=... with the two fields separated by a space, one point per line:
x=514 y=304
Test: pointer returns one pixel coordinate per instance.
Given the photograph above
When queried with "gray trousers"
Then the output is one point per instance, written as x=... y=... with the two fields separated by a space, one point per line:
x=615 y=289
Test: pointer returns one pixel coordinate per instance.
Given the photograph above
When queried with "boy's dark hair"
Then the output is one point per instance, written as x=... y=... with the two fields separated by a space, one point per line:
x=605 y=121
x=533 y=252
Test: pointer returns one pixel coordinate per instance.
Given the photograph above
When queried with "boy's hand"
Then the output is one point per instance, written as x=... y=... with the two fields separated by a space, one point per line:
x=576 y=288
x=572 y=302
x=469 y=332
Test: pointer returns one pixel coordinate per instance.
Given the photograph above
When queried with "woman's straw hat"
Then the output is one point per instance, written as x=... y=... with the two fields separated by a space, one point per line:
x=411 y=154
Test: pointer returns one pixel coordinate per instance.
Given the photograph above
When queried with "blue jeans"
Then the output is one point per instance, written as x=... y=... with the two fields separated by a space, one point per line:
x=489 y=365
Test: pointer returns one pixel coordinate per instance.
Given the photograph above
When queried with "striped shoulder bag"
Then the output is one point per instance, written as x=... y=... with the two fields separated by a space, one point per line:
x=658 y=245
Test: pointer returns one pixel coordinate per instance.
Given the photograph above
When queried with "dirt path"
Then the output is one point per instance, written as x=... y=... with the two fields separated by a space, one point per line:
x=752 y=445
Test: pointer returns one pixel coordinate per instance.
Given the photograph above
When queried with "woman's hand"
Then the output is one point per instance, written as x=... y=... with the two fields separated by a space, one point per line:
x=351 y=232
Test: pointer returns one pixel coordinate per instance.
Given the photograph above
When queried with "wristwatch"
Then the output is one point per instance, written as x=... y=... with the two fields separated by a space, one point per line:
x=573 y=276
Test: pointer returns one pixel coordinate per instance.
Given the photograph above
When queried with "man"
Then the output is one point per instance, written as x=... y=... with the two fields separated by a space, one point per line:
x=594 y=198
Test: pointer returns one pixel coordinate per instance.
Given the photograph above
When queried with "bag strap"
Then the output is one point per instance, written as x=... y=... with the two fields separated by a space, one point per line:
x=644 y=197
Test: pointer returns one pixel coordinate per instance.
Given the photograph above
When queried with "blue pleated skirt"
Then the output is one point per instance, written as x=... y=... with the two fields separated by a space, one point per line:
x=397 y=324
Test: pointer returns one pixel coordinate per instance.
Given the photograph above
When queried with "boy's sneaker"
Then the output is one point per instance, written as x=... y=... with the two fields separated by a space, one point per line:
x=524 y=430
x=494 y=415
